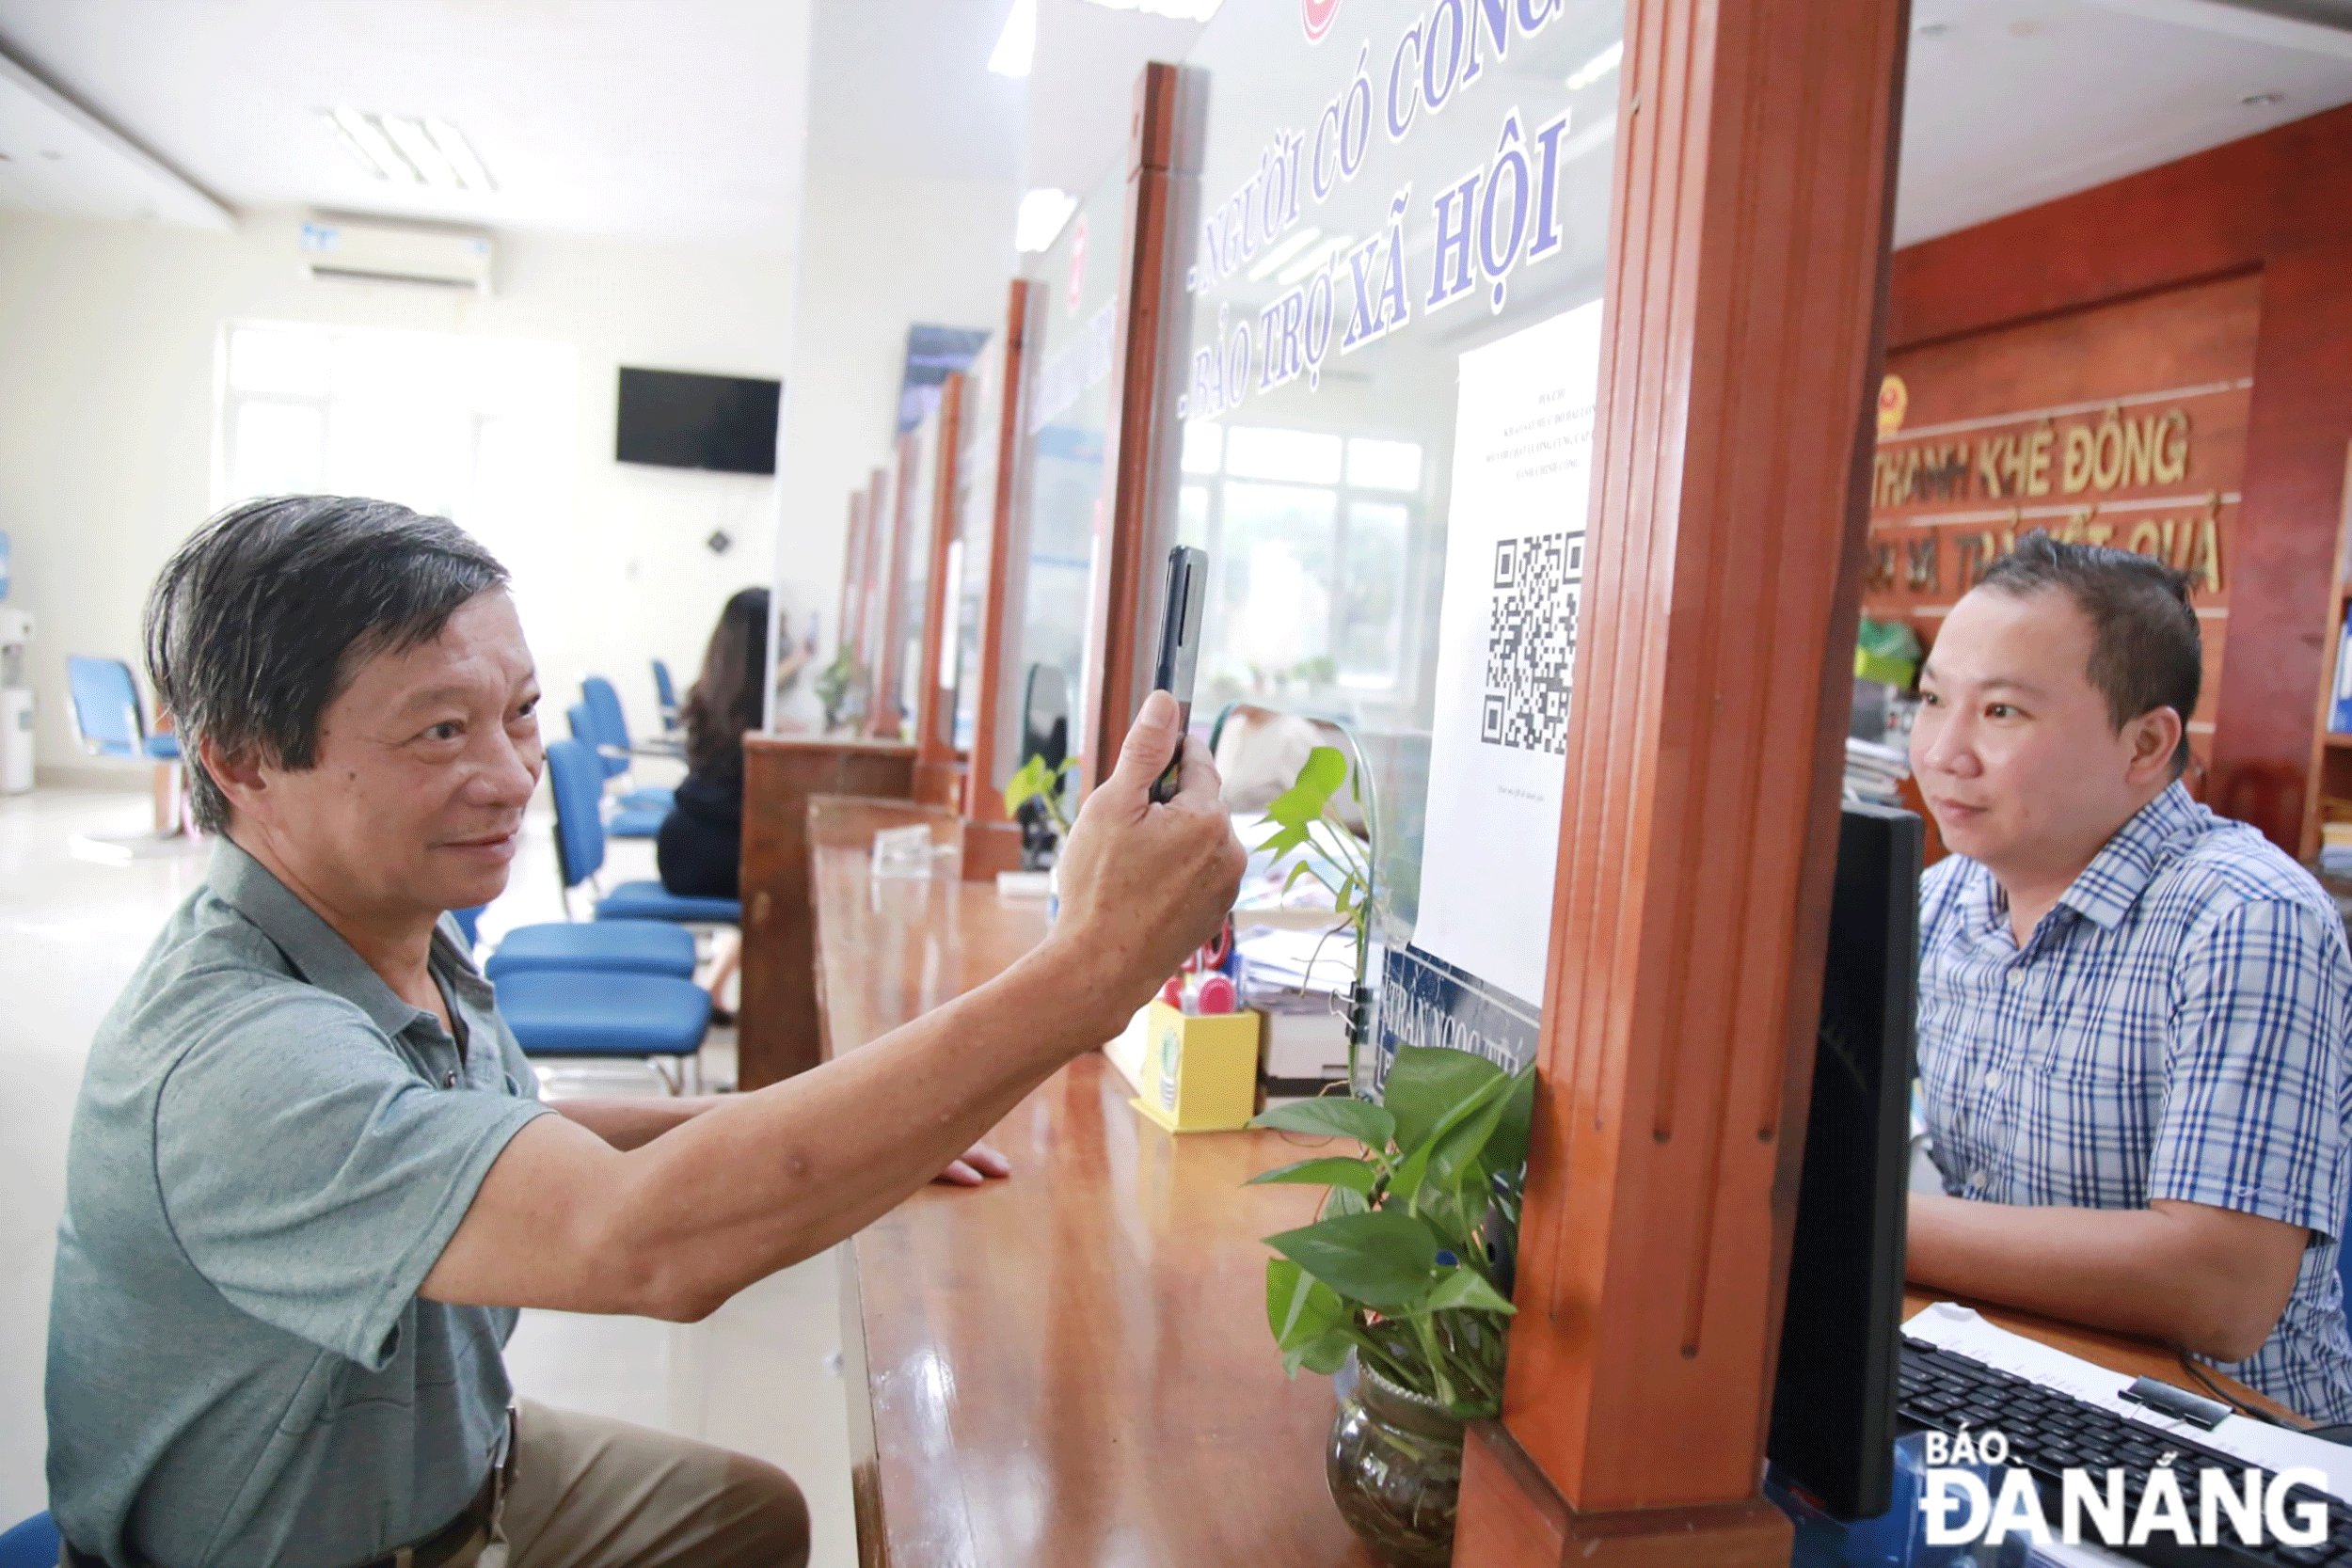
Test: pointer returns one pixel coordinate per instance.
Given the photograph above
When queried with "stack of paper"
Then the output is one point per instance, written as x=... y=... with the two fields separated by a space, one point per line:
x=1288 y=971
x=1873 y=772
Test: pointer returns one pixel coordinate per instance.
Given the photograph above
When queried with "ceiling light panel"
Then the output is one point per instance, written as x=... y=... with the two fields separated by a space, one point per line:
x=404 y=149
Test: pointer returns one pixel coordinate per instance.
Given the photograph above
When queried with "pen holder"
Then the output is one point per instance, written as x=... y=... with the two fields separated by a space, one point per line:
x=1199 y=1070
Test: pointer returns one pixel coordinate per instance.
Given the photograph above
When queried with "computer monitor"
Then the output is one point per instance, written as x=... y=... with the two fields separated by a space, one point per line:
x=1045 y=715
x=1833 y=1431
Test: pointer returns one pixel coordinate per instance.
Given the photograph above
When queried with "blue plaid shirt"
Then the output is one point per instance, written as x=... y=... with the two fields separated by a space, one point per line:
x=2180 y=1027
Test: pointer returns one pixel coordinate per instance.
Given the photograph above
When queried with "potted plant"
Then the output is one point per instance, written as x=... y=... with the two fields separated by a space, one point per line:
x=1036 y=796
x=1307 y=824
x=837 y=684
x=1404 y=1274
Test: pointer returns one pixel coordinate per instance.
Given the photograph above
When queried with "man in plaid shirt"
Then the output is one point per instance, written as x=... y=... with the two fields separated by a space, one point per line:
x=2135 y=1017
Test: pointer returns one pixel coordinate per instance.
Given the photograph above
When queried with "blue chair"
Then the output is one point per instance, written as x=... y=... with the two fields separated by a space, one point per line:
x=33 y=1543
x=106 y=713
x=574 y=778
x=637 y=1017
x=665 y=694
x=604 y=703
x=603 y=947
x=109 y=722
x=637 y=813
x=592 y=1004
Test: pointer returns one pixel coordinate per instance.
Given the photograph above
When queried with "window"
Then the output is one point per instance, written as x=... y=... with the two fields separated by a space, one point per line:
x=1307 y=537
x=471 y=428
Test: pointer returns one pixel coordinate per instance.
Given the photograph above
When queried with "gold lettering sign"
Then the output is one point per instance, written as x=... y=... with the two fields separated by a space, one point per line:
x=2101 y=452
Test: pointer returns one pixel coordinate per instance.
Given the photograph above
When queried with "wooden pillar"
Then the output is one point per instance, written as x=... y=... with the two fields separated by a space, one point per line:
x=991 y=841
x=1755 y=169
x=938 y=769
x=884 y=718
x=875 y=584
x=845 y=628
x=1000 y=624
x=2273 y=680
x=1119 y=665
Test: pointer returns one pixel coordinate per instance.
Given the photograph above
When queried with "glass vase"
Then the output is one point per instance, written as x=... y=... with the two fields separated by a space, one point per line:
x=1394 y=1466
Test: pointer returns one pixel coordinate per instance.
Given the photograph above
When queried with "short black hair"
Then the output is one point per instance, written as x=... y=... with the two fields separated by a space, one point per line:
x=260 y=620
x=2146 y=651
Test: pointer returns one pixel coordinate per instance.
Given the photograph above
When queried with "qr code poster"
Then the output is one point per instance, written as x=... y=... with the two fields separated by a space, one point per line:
x=1508 y=619
x=1530 y=641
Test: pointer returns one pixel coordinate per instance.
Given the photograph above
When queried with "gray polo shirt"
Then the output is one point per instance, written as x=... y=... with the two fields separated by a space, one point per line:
x=270 y=1150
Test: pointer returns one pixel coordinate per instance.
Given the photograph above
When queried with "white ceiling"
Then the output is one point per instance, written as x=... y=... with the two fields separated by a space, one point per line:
x=683 y=121
x=2012 y=102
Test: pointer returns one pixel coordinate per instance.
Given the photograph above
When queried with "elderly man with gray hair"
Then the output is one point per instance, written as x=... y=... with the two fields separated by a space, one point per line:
x=311 y=1178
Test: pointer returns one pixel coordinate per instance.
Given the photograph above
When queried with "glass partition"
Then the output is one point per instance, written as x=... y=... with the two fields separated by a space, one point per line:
x=1060 y=514
x=1389 y=250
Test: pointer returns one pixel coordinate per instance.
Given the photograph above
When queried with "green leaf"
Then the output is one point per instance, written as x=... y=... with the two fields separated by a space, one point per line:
x=1331 y=1170
x=1506 y=1150
x=1284 y=840
x=1336 y=1115
x=1299 y=1309
x=1384 y=1258
x=1416 y=1168
x=1462 y=1147
x=1027 y=782
x=1322 y=773
x=1326 y=1354
x=1465 y=1288
x=1345 y=1201
x=1425 y=1083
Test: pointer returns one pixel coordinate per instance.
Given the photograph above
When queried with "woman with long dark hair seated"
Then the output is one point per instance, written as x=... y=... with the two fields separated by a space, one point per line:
x=700 y=849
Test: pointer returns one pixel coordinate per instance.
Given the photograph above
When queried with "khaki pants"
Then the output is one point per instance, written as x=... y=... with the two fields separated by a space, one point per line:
x=593 y=1493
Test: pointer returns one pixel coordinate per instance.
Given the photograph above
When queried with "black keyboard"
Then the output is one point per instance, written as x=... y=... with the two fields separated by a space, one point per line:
x=2049 y=1431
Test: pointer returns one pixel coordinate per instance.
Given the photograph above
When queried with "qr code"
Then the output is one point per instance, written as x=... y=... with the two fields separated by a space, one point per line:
x=1530 y=641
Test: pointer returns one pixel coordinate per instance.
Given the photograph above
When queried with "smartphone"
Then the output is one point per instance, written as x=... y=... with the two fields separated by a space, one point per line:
x=1180 y=646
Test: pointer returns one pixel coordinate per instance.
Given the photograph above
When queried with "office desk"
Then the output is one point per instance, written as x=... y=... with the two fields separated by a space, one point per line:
x=1071 y=1367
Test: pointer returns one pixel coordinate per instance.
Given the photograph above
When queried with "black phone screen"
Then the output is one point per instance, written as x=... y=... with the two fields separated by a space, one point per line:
x=1180 y=646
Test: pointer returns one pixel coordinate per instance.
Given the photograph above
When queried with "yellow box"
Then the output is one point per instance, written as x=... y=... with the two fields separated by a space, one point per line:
x=1199 y=1070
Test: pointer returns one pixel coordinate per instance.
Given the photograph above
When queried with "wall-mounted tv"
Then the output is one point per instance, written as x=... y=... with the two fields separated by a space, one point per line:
x=673 y=419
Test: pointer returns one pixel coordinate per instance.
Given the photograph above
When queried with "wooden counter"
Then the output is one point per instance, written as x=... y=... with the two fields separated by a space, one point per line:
x=1071 y=1367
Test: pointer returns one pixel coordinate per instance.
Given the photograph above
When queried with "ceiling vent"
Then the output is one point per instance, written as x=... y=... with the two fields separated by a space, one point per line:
x=369 y=252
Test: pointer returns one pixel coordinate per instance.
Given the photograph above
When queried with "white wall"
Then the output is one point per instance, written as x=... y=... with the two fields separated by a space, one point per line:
x=882 y=247
x=109 y=336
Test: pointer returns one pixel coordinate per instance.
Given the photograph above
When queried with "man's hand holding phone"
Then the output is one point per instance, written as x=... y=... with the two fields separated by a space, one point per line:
x=1144 y=883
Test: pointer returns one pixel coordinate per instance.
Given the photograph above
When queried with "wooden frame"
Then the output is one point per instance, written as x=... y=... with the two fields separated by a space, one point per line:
x=1117 y=665
x=999 y=640
x=873 y=587
x=849 y=625
x=992 y=843
x=1754 y=177
x=884 y=718
x=938 y=765
x=2331 y=753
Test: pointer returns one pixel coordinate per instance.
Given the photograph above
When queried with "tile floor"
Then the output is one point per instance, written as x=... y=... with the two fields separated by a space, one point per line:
x=761 y=1375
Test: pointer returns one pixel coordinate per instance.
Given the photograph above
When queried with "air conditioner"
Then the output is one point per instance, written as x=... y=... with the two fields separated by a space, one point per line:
x=390 y=253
